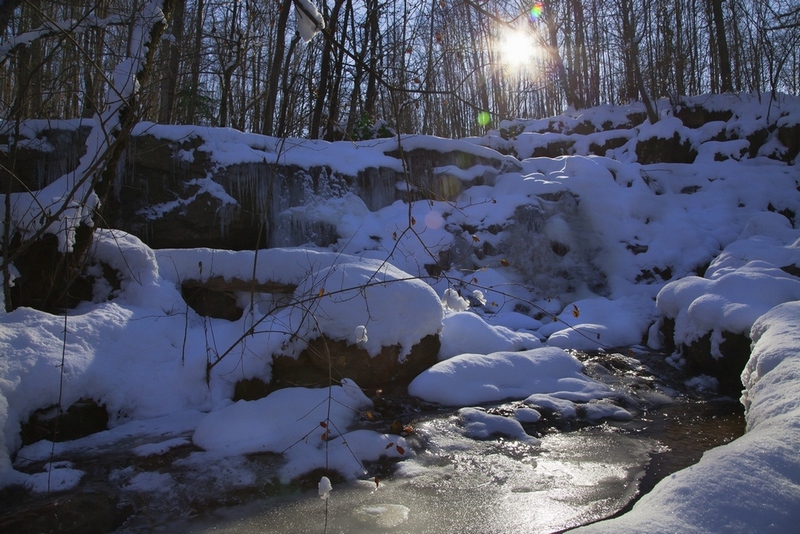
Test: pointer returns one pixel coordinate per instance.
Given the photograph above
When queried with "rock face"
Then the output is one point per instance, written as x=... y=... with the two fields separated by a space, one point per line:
x=325 y=360
x=735 y=350
x=82 y=418
x=174 y=191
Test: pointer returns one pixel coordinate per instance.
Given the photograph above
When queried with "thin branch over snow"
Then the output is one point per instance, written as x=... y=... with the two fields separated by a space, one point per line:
x=51 y=27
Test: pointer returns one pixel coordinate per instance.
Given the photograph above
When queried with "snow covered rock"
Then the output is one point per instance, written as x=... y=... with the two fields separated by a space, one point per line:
x=470 y=379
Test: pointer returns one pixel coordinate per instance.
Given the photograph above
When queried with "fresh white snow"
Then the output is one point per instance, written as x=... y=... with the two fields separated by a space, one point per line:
x=142 y=353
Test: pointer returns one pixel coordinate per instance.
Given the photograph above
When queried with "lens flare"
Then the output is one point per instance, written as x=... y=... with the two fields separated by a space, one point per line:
x=484 y=118
x=536 y=11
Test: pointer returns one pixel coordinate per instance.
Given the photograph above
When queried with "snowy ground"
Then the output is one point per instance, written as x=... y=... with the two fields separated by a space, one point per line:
x=144 y=354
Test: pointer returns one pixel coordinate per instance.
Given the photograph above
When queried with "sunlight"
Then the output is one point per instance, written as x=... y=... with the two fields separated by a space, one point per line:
x=517 y=48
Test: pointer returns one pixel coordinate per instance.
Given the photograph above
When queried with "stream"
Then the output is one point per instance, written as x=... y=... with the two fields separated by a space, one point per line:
x=578 y=474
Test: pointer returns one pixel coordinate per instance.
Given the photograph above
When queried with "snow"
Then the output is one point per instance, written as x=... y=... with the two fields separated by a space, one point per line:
x=546 y=256
x=469 y=379
x=309 y=20
x=481 y=425
x=753 y=483
x=324 y=487
x=464 y=332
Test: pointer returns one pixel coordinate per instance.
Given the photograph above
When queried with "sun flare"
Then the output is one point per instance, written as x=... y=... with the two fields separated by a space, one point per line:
x=516 y=48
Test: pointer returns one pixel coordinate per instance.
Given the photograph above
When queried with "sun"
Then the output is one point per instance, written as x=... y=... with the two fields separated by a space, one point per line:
x=517 y=48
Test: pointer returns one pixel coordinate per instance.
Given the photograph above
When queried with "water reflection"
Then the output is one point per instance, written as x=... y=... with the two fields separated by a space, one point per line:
x=456 y=484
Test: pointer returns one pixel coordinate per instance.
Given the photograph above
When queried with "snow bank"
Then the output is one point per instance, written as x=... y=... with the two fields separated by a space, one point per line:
x=465 y=332
x=470 y=379
x=753 y=483
x=745 y=281
x=145 y=353
x=309 y=426
x=599 y=323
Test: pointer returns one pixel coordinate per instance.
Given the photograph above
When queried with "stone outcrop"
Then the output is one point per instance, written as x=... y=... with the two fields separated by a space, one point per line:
x=172 y=193
x=735 y=351
x=82 y=418
x=325 y=360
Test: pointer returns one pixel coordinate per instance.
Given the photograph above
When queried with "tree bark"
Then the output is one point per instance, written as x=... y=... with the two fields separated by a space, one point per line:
x=726 y=84
x=171 y=72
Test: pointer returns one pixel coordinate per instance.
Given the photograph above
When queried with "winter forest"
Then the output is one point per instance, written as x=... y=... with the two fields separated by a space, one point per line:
x=427 y=67
x=399 y=266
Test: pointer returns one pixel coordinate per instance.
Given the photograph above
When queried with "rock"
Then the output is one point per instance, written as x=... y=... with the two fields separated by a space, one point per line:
x=697 y=116
x=661 y=150
x=211 y=303
x=325 y=359
x=49 y=280
x=250 y=389
x=554 y=149
x=81 y=419
x=216 y=297
x=789 y=135
x=39 y=161
x=610 y=143
x=735 y=351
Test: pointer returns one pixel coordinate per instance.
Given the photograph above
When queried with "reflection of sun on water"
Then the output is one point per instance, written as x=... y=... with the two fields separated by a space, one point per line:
x=517 y=48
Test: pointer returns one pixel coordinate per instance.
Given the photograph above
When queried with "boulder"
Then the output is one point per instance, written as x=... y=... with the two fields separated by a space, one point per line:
x=326 y=360
x=81 y=419
x=735 y=351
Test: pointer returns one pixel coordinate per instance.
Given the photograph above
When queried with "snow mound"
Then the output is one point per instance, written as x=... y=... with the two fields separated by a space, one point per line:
x=465 y=332
x=745 y=281
x=309 y=426
x=753 y=483
x=470 y=379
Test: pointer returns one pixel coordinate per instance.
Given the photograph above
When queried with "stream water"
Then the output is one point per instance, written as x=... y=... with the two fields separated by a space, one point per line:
x=578 y=474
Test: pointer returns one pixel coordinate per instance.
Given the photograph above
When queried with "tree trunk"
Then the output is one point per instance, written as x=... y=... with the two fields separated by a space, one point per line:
x=171 y=71
x=724 y=59
x=273 y=82
x=197 y=53
x=324 y=72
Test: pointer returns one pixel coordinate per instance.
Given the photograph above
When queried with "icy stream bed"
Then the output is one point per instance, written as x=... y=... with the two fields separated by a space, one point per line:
x=459 y=485
x=577 y=474
x=449 y=482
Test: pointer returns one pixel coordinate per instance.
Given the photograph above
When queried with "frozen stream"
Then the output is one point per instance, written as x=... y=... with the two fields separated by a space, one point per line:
x=579 y=472
x=458 y=484
x=462 y=485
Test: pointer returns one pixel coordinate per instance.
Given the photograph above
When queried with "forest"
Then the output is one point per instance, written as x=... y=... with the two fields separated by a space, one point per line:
x=451 y=68
x=524 y=206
